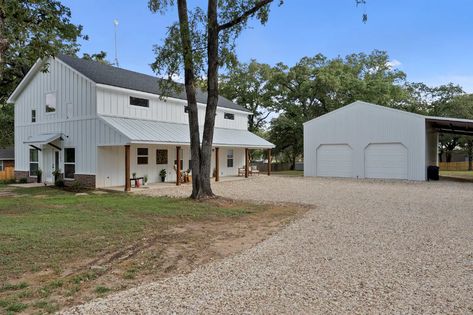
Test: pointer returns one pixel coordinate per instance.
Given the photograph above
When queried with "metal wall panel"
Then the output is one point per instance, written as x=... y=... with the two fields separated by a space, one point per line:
x=360 y=124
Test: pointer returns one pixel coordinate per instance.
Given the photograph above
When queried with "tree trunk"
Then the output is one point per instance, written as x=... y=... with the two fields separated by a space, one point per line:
x=470 y=156
x=293 y=162
x=448 y=156
x=189 y=81
x=212 y=100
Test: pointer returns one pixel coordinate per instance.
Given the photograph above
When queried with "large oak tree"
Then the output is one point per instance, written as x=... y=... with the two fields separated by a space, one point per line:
x=202 y=41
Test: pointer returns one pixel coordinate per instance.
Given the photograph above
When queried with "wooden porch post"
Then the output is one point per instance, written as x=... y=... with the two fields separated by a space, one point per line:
x=269 y=162
x=127 y=168
x=246 y=162
x=217 y=166
x=178 y=167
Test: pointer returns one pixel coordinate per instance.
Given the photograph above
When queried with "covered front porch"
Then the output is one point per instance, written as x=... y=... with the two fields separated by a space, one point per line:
x=135 y=164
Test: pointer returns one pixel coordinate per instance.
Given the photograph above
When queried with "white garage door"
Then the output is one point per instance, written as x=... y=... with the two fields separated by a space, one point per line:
x=386 y=160
x=335 y=160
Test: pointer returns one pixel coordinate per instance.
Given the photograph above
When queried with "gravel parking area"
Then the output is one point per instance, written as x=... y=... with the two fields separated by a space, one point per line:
x=365 y=247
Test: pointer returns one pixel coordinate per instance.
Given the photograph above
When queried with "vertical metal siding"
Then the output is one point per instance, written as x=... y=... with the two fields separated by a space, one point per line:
x=112 y=102
x=360 y=124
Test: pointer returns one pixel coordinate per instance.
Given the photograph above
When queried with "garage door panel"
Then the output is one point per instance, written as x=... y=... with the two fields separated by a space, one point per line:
x=334 y=160
x=386 y=160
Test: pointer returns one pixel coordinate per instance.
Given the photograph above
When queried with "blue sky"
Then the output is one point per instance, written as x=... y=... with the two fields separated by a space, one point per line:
x=431 y=40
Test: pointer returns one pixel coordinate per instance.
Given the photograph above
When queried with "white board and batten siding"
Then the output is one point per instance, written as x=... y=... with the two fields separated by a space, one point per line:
x=112 y=101
x=75 y=114
x=363 y=140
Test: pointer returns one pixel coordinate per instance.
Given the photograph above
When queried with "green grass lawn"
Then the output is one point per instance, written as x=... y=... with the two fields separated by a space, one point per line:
x=46 y=228
x=289 y=173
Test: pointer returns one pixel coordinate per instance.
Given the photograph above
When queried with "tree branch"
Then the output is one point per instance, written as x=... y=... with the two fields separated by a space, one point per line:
x=244 y=16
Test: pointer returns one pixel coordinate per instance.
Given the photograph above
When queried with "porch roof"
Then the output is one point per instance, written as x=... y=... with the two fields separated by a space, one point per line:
x=43 y=138
x=150 y=131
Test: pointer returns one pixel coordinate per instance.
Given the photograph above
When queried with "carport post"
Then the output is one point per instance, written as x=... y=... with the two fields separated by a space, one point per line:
x=178 y=167
x=246 y=162
x=269 y=162
x=127 y=168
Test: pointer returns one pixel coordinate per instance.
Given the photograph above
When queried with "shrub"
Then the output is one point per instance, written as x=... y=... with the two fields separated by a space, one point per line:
x=76 y=187
x=59 y=183
x=23 y=180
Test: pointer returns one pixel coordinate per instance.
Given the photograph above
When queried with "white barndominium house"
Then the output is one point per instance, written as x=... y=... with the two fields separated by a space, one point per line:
x=96 y=124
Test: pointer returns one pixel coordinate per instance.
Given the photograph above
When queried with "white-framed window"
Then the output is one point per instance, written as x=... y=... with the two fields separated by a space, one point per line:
x=142 y=156
x=50 y=105
x=230 y=158
x=34 y=162
x=69 y=163
x=1 y=166
x=229 y=116
x=33 y=115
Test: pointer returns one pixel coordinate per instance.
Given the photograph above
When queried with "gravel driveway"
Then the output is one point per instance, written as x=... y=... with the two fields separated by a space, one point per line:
x=365 y=247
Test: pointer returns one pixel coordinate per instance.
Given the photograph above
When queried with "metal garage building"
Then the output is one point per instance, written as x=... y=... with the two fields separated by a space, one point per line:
x=364 y=140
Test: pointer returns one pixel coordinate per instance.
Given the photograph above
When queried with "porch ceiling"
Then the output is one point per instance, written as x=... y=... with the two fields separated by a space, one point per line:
x=451 y=125
x=150 y=131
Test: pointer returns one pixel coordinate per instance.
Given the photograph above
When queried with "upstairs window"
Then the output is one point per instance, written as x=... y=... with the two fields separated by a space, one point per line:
x=142 y=156
x=50 y=103
x=229 y=116
x=69 y=163
x=141 y=102
x=230 y=158
x=33 y=115
x=34 y=162
x=186 y=109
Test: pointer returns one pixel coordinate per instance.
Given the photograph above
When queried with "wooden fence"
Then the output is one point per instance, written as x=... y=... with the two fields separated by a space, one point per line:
x=453 y=166
x=7 y=173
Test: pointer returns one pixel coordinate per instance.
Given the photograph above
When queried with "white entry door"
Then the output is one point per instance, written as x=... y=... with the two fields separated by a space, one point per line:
x=335 y=160
x=49 y=165
x=386 y=160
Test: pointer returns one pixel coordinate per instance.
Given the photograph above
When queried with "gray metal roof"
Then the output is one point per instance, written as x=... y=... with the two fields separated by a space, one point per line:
x=151 y=131
x=109 y=75
x=43 y=138
x=7 y=153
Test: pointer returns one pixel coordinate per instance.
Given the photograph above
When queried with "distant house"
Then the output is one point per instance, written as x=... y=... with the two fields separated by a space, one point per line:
x=95 y=124
x=7 y=163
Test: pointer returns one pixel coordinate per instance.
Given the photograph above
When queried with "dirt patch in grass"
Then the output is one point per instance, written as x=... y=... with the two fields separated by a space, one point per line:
x=158 y=244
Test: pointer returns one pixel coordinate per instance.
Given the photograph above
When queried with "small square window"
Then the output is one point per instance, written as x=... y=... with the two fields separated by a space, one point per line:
x=229 y=116
x=161 y=156
x=142 y=156
x=141 y=102
x=50 y=103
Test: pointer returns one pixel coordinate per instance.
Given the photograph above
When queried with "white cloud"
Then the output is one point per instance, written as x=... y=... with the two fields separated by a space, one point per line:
x=394 y=63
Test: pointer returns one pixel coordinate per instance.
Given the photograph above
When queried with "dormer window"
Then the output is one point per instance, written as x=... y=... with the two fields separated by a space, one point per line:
x=229 y=116
x=141 y=102
x=50 y=103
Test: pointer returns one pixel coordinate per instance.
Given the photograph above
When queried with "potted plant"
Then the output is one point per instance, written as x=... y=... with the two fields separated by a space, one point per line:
x=56 y=174
x=163 y=174
x=134 y=174
x=145 y=179
x=39 y=174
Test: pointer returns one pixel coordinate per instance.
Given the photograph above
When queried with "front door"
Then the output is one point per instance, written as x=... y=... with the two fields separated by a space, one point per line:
x=48 y=165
